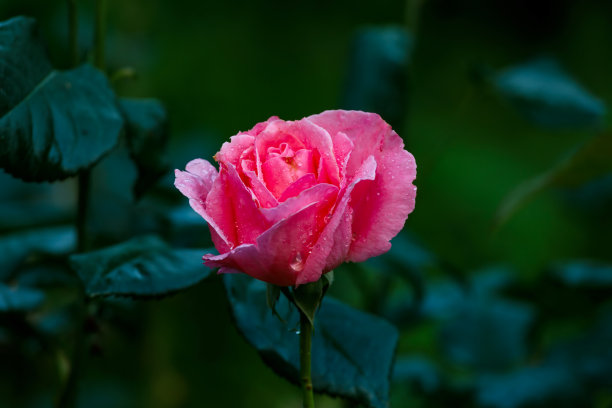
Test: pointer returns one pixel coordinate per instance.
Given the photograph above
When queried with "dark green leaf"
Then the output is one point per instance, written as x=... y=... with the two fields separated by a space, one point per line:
x=19 y=299
x=574 y=371
x=547 y=96
x=17 y=247
x=140 y=267
x=442 y=299
x=487 y=333
x=147 y=136
x=417 y=370
x=377 y=77
x=590 y=161
x=352 y=351
x=545 y=385
x=490 y=281
x=308 y=297
x=584 y=274
x=53 y=124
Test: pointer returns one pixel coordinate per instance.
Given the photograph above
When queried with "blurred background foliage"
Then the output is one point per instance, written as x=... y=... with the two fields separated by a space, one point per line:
x=494 y=311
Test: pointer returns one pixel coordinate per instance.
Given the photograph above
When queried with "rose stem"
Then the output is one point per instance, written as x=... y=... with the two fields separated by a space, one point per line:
x=68 y=395
x=305 y=361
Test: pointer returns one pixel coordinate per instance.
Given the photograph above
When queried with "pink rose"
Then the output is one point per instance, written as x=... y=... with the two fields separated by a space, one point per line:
x=293 y=200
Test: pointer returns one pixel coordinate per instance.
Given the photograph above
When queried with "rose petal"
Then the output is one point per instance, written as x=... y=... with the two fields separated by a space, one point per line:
x=278 y=175
x=280 y=253
x=197 y=181
x=365 y=130
x=320 y=192
x=301 y=134
x=301 y=184
x=231 y=151
x=264 y=196
x=231 y=206
x=342 y=150
x=258 y=128
x=318 y=259
x=381 y=206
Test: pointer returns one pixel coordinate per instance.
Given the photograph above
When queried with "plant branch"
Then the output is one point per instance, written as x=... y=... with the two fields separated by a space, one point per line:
x=305 y=361
x=73 y=28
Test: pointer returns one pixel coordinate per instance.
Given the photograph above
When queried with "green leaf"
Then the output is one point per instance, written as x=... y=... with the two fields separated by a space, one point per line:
x=590 y=161
x=417 y=370
x=352 y=351
x=546 y=385
x=377 y=77
x=547 y=96
x=147 y=137
x=19 y=299
x=588 y=274
x=488 y=334
x=141 y=267
x=17 y=247
x=53 y=124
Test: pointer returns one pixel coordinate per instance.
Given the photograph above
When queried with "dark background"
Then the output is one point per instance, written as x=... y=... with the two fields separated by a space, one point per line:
x=221 y=67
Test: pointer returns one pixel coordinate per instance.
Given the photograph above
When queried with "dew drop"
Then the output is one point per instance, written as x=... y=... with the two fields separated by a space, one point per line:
x=297 y=264
x=297 y=332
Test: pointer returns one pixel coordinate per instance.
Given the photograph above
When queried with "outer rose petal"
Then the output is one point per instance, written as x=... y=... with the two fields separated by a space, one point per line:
x=321 y=256
x=381 y=206
x=319 y=193
x=365 y=130
x=231 y=206
x=197 y=181
x=280 y=252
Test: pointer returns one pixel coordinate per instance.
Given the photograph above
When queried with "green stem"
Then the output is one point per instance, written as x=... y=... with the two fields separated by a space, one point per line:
x=100 y=34
x=82 y=211
x=413 y=9
x=68 y=396
x=305 y=361
x=73 y=27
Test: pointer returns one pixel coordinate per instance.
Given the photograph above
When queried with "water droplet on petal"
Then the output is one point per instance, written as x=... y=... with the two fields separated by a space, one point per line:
x=297 y=264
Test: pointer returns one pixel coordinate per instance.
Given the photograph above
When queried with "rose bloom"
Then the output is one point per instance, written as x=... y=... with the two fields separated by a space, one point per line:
x=294 y=199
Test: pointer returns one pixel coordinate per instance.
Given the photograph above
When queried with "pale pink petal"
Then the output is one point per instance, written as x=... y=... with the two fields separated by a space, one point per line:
x=301 y=184
x=320 y=192
x=381 y=206
x=318 y=259
x=231 y=151
x=197 y=181
x=280 y=253
x=365 y=130
x=231 y=206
